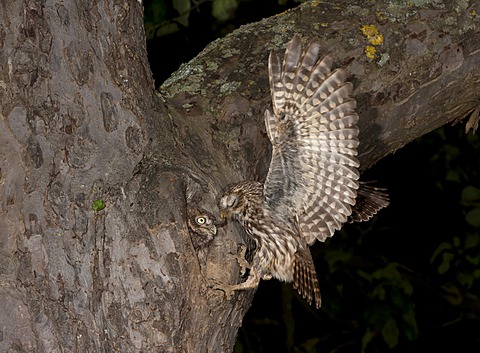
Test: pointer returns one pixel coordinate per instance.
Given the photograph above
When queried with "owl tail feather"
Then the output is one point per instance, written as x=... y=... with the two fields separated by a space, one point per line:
x=305 y=278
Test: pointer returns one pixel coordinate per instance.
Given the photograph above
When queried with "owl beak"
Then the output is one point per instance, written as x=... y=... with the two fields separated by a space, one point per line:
x=223 y=215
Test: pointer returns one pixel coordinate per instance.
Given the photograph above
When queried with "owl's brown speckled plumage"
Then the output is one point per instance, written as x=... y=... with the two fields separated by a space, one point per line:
x=312 y=184
x=203 y=226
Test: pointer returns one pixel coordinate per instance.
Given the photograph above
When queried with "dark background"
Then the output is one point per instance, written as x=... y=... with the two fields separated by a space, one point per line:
x=407 y=281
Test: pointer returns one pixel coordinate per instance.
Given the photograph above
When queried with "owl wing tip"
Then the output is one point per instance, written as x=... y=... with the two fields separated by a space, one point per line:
x=370 y=200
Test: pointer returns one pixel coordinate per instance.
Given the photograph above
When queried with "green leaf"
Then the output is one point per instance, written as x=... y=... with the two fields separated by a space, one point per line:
x=365 y=275
x=166 y=28
x=476 y=273
x=367 y=338
x=98 y=205
x=156 y=11
x=222 y=10
x=379 y=293
x=472 y=241
x=390 y=271
x=456 y=242
x=445 y=265
x=474 y=260
x=400 y=295
x=455 y=297
x=390 y=333
x=470 y=195
x=453 y=175
x=411 y=328
x=440 y=249
x=451 y=152
x=337 y=259
x=407 y=287
x=183 y=8
x=465 y=279
x=310 y=345
x=238 y=347
x=473 y=217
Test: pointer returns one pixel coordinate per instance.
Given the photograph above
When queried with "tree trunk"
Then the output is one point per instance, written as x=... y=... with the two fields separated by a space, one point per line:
x=81 y=125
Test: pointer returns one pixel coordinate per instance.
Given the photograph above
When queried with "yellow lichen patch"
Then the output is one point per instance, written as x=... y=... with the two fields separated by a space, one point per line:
x=370 y=51
x=381 y=16
x=372 y=34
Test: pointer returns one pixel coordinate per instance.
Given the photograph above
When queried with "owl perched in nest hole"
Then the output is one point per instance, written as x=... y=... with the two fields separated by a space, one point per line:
x=203 y=225
x=312 y=185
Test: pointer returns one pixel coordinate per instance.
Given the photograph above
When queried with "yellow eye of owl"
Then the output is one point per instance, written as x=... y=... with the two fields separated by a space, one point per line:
x=200 y=220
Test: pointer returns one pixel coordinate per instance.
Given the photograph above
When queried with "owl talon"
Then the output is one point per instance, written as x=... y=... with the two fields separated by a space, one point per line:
x=251 y=283
x=224 y=288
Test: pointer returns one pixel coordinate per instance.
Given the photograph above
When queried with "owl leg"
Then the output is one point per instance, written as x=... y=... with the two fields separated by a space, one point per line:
x=253 y=278
x=252 y=282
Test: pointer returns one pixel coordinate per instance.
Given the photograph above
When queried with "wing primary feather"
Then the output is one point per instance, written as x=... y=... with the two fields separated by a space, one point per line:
x=276 y=84
x=369 y=201
x=314 y=135
x=291 y=60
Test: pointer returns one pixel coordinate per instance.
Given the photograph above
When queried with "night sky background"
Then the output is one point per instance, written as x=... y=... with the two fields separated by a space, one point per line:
x=407 y=281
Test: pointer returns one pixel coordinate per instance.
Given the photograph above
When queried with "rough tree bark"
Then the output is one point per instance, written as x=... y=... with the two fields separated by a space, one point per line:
x=80 y=122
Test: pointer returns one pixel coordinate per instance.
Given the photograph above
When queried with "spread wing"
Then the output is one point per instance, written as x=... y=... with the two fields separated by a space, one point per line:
x=313 y=131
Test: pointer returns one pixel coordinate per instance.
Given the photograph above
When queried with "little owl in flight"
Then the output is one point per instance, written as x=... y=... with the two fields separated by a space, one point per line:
x=312 y=187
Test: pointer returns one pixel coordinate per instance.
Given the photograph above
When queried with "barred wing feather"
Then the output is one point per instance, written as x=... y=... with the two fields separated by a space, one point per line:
x=314 y=135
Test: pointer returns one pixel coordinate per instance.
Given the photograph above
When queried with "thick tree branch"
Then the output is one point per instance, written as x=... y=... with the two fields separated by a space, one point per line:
x=422 y=76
